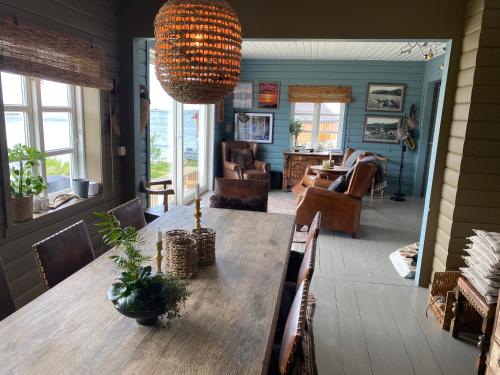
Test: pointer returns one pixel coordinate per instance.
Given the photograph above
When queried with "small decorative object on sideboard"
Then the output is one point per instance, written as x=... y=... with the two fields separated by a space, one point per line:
x=205 y=237
x=23 y=183
x=138 y=292
x=295 y=129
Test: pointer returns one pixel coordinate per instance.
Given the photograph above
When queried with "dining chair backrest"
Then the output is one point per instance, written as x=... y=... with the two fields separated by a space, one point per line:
x=7 y=306
x=306 y=269
x=294 y=330
x=313 y=232
x=64 y=253
x=130 y=214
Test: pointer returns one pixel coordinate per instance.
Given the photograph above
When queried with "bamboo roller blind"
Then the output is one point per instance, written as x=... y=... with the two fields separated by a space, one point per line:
x=319 y=94
x=39 y=52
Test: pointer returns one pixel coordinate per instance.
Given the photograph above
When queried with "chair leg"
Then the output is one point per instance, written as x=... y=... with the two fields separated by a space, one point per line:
x=457 y=309
x=483 y=345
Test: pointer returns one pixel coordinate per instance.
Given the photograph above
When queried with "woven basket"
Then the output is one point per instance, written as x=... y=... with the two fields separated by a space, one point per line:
x=205 y=239
x=442 y=297
x=181 y=253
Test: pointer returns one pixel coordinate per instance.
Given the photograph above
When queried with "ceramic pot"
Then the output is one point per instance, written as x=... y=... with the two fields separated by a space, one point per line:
x=144 y=318
x=22 y=209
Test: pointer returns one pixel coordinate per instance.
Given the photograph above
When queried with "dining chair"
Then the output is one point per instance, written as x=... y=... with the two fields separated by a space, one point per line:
x=62 y=254
x=149 y=187
x=130 y=214
x=7 y=306
x=296 y=257
x=249 y=195
x=287 y=352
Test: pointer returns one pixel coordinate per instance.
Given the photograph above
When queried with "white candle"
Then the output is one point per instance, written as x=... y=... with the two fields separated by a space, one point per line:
x=197 y=192
x=158 y=236
x=330 y=156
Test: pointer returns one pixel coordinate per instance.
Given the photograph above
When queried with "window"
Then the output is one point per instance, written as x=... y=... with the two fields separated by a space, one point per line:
x=180 y=139
x=45 y=115
x=322 y=124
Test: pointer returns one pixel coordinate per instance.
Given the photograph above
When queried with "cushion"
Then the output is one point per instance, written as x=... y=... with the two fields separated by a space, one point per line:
x=243 y=157
x=340 y=185
x=257 y=203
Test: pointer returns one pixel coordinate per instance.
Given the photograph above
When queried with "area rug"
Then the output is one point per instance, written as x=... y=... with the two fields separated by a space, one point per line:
x=280 y=202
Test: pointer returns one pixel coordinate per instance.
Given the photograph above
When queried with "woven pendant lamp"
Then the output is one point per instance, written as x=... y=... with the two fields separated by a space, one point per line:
x=198 y=50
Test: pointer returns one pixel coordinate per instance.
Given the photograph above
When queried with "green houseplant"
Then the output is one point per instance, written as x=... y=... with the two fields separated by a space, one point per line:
x=139 y=292
x=295 y=129
x=23 y=182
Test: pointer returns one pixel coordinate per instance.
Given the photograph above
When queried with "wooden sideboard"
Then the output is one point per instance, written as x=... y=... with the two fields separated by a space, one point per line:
x=295 y=164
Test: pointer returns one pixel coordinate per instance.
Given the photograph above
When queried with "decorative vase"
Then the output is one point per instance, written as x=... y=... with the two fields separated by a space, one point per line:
x=143 y=318
x=22 y=209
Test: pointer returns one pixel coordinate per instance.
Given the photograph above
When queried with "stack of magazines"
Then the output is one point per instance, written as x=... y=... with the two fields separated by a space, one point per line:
x=483 y=263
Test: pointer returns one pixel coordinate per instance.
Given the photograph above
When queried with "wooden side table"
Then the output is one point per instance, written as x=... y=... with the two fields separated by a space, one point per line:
x=329 y=173
x=465 y=291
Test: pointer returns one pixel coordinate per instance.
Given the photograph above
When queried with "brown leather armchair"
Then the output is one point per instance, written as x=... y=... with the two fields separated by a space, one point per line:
x=339 y=211
x=259 y=171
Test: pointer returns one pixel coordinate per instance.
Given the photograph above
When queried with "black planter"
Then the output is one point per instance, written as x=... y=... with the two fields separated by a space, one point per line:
x=144 y=318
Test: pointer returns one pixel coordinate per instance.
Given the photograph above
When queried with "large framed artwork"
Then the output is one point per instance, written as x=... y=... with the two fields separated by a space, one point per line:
x=269 y=95
x=385 y=97
x=243 y=95
x=253 y=127
x=381 y=129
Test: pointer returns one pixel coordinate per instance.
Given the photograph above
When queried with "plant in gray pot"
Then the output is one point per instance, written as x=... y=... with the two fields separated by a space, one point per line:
x=139 y=292
x=23 y=182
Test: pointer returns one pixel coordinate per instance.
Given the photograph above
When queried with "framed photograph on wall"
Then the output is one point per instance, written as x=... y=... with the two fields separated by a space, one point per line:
x=243 y=95
x=381 y=129
x=383 y=97
x=253 y=127
x=269 y=95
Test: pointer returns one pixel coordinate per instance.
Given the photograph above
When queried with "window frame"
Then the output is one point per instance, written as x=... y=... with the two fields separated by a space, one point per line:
x=316 y=121
x=34 y=132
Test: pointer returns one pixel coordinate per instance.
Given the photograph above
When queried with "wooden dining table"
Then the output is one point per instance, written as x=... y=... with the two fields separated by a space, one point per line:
x=227 y=324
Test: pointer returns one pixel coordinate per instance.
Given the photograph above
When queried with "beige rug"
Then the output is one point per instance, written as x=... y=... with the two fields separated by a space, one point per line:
x=280 y=202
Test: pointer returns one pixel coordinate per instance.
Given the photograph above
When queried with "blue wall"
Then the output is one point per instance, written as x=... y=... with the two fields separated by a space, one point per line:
x=356 y=74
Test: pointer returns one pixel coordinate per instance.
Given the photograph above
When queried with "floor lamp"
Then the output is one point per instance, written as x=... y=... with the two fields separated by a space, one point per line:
x=399 y=196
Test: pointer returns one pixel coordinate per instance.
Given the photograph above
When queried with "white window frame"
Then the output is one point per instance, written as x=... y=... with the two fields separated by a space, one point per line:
x=33 y=126
x=316 y=124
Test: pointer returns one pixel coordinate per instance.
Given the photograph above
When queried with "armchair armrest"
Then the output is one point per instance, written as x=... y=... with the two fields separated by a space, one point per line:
x=233 y=168
x=321 y=183
x=146 y=187
x=262 y=166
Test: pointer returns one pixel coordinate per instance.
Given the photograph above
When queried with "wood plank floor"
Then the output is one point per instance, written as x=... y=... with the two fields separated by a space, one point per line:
x=368 y=319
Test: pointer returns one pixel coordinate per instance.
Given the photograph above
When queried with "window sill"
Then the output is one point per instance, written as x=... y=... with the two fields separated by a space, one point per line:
x=46 y=218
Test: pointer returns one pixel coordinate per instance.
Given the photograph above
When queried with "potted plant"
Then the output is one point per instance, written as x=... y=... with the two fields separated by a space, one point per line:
x=295 y=129
x=139 y=292
x=23 y=182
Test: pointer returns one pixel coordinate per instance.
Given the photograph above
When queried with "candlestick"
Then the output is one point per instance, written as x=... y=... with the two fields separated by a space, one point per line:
x=197 y=213
x=158 y=256
x=197 y=192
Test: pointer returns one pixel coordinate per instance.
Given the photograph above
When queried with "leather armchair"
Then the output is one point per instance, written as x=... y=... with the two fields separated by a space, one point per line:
x=235 y=171
x=339 y=211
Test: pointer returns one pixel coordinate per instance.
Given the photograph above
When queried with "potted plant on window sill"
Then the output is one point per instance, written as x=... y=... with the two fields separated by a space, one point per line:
x=295 y=129
x=138 y=292
x=24 y=184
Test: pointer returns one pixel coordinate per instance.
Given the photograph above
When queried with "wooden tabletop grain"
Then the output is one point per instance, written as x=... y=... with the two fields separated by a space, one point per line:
x=226 y=327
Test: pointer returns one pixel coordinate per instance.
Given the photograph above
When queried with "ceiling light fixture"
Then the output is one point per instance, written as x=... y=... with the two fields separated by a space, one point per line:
x=427 y=49
x=197 y=50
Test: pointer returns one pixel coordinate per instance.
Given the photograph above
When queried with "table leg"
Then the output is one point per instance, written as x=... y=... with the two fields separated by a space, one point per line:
x=457 y=309
x=483 y=345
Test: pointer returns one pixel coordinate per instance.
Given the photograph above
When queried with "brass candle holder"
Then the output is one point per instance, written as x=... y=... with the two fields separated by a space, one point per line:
x=158 y=256
x=197 y=213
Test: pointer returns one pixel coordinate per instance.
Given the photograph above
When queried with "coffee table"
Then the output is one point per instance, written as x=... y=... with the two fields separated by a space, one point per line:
x=329 y=173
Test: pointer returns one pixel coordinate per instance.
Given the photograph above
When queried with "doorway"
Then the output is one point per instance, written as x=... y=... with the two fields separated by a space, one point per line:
x=180 y=142
x=432 y=124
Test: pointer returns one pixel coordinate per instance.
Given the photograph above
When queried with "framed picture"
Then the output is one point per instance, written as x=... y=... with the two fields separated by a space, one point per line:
x=243 y=95
x=381 y=129
x=269 y=95
x=253 y=127
x=385 y=97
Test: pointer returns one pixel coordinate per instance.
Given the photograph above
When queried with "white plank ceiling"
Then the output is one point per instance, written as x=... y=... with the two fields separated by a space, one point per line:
x=337 y=50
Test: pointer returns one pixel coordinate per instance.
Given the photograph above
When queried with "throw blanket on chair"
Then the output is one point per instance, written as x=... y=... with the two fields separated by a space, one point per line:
x=380 y=181
x=351 y=160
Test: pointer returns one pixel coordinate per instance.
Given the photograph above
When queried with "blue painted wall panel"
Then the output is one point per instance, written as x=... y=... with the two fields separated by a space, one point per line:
x=356 y=74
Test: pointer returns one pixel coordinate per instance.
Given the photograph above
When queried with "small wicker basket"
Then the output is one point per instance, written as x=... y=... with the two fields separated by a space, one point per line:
x=205 y=239
x=181 y=253
x=442 y=297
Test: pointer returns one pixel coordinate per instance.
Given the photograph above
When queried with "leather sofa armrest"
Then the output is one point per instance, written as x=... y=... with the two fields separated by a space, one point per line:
x=262 y=166
x=322 y=183
x=233 y=168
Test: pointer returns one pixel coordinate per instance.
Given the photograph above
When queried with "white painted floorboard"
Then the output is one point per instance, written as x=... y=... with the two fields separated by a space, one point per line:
x=368 y=319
